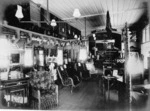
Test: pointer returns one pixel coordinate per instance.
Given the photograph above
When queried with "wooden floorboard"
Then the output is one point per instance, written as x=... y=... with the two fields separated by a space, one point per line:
x=85 y=97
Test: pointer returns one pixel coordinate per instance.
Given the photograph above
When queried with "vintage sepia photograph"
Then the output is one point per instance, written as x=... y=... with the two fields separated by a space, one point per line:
x=88 y=55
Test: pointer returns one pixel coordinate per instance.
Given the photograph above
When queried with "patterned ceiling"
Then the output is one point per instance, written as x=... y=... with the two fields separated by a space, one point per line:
x=121 y=11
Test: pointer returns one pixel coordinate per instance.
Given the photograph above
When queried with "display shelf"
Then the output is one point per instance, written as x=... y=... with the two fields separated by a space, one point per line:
x=15 y=92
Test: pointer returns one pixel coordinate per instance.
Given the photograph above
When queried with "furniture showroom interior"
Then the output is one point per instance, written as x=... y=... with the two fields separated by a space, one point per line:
x=75 y=55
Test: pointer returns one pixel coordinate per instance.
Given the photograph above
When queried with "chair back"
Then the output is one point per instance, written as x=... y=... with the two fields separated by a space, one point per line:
x=84 y=66
x=62 y=73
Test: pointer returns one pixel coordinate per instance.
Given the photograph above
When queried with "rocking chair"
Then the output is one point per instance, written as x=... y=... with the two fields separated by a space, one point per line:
x=66 y=79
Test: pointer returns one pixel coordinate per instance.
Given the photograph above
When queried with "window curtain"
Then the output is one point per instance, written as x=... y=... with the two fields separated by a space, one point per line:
x=83 y=54
x=60 y=56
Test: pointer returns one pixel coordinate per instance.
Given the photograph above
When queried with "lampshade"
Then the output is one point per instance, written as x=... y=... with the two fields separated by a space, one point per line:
x=19 y=13
x=75 y=36
x=53 y=23
x=76 y=13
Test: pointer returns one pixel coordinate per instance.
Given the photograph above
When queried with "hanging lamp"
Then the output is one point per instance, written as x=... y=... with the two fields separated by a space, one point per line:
x=76 y=13
x=75 y=36
x=53 y=23
x=19 y=13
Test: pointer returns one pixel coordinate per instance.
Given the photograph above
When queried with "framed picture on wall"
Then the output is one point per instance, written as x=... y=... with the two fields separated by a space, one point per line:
x=15 y=59
x=62 y=29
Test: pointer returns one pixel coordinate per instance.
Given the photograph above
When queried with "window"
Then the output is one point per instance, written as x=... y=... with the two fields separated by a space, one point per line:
x=146 y=34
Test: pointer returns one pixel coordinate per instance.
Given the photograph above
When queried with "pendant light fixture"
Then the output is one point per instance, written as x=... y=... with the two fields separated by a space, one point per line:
x=76 y=13
x=19 y=13
x=53 y=23
x=75 y=36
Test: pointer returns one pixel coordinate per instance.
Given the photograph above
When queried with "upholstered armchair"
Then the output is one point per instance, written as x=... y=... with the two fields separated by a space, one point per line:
x=84 y=72
x=71 y=69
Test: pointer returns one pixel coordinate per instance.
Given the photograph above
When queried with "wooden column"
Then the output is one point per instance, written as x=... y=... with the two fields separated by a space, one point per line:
x=127 y=77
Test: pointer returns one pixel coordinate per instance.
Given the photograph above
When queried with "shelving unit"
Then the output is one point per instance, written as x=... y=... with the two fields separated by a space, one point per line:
x=15 y=92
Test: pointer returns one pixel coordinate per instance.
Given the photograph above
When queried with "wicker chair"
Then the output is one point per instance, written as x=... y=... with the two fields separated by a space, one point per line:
x=43 y=91
x=41 y=99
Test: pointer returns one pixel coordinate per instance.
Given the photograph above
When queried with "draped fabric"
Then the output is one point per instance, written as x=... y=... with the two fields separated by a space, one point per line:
x=53 y=70
x=72 y=51
x=82 y=54
x=60 y=56
x=108 y=25
x=134 y=64
x=76 y=51
x=109 y=28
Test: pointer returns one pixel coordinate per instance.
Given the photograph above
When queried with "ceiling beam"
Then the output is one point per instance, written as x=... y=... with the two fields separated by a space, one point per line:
x=92 y=15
